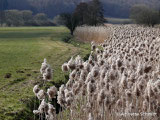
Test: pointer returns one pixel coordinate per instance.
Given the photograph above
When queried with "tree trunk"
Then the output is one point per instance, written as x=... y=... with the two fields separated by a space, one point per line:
x=72 y=32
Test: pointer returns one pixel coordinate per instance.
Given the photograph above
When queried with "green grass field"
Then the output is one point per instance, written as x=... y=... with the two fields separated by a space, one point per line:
x=22 y=51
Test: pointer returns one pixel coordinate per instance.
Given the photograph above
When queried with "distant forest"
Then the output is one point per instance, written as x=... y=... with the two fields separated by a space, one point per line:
x=112 y=8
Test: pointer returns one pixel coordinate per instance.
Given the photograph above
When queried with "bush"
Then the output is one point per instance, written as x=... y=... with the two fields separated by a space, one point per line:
x=57 y=20
x=67 y=38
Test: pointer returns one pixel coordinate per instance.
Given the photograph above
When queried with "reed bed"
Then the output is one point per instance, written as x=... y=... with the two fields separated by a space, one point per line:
x=90 y=33
x=120 y=80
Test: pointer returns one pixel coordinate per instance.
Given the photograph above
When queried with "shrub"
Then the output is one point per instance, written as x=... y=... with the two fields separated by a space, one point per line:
x=67 y=38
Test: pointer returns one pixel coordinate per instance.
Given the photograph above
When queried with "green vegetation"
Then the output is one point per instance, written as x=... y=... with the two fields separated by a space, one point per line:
x=22 y=51
x=119 y=21
x=25 y=18
x=145 y=15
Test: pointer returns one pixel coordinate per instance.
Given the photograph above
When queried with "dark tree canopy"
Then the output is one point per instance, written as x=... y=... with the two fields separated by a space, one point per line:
x=81 y=12
x=90 y=13
x=95 y=15
x=142 y=14
x=70 y=21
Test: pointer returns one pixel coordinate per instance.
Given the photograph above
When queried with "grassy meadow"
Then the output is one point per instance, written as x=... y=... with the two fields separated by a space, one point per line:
x=22 y=51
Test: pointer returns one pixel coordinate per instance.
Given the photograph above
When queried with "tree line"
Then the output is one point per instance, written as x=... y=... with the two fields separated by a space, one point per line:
x=144 y=15
x=24 y=18
x=85 y=13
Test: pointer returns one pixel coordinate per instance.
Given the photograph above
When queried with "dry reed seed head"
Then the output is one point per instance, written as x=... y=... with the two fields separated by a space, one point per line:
x=69 y=101
x=157 y=85
x=119 y=103
x=149 y=90
x=103 y=73
x=83 y=75
x=36 y=112
x=62 y=88
x=107 y=101
x=79 y=62
x=95 y=71
x=90 y=59
x=84 y=89
x=106 y=79
x=78 y=59
x=90 y=117
x=105 y=54
x=131 y=106
x=119 y=63
x=141 y=85
x=51 y=110
x=123 y=82
x=101 y=97
x=61 y=99
x=145 y=105
x=98 y=51
x=128 y=93
x=73 y=74
x=136 y=91
x=50 y=117
x=112 y=90
x=101 y=62
x=113 y=66
x=93 y=47
x=76 y=88
x=36 y=89
x=44 y=66
x=112 y=75
x=43 y=107
x=69 y=84
x=48 y=74
x=65 y=92
x=41 y=95
x=65 y=67
x=91 y=88
x=147 y=68
x=68 y=94
x=52 y=92
x=127 y=108
x=89 y=77
x=87 y=66
x=80 y=65
x=92 y=42
x=89 y=106
x=102 y=83
x=71 y=64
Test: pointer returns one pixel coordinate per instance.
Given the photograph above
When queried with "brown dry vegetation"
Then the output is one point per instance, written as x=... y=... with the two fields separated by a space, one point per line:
x=119 y=82
x=96 y=34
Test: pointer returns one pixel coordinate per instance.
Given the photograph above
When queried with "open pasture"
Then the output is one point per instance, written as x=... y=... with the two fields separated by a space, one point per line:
x=22 y=51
